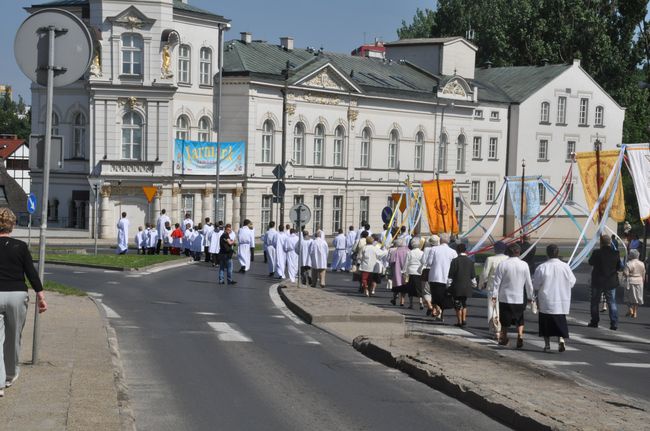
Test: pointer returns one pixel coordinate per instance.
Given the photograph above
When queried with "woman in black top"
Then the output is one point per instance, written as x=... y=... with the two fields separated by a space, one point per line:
x=463 y=281
x=15 y=264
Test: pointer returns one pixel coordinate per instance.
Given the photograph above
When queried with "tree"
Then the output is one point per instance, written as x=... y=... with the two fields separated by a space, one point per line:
x=13 y=120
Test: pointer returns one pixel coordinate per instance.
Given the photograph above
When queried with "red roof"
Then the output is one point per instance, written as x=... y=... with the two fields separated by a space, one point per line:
x=8 y=146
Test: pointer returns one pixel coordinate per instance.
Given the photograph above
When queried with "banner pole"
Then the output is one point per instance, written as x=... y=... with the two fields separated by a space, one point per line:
x=442 y=215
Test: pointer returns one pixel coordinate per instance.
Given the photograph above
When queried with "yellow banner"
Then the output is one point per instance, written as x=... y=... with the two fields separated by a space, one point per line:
x=588 y=174
x=439 y=200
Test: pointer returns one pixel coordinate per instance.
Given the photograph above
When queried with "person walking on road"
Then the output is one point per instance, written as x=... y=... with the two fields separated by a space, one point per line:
x=160 y=227
x=486 y=281
x=338 y=258
x=413 y=271
x=226 y=251
x=15 y=264
x=305 y=264
x=318 y=253
x=290 y=248
x=269 y=244
x=634 y=275
x=140 y=241
x=439 y=262
x=244 y=240
x=511 y=283
x=215 y=240
x=208 y=228
x=123 y=235
x=433 y=241
x=462 y=279
x=397 y=263
x=552 y=282
x=604 y=280
x=371 y=264
x=280 y=255
x=350 y=240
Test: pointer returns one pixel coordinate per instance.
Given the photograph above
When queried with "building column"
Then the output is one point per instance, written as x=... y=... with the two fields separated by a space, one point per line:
x=208 y=200
x=105 y=211
x=175 y=205
x=156 y=206
x=198 y=208
x=236 y=207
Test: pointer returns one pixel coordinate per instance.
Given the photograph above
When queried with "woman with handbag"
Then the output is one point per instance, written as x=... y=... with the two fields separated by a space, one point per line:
x=634 y=272
x=433 y=241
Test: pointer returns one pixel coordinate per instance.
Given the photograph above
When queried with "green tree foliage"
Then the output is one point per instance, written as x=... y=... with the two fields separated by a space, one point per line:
x=13 y=120
x=610 y=37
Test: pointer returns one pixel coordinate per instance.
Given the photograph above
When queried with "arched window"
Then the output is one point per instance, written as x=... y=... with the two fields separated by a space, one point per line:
x=204 y=129
x=460 y=154
x=419 y=151
x=78 y=135
x=393 y=143
x=366 y=139
x=55 y=123
x=319 y=144
x=132 y=136
x=299 y=144
x=600 y=116
x=183 y=128
x=132 y=47
x=267 y=141
x=339 y=138
x=442 y=153
x=184 y=54
x=545 y=112
x=206 y=66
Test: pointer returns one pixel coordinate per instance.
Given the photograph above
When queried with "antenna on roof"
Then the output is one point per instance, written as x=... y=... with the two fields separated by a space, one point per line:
x=469 y=34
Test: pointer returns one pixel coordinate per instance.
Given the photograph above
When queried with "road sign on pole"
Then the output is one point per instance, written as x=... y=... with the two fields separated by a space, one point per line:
x=150 y=192
x=31 y=203
x=279 y=171
x=278 y=188
x=300 y=214
x=386 y=214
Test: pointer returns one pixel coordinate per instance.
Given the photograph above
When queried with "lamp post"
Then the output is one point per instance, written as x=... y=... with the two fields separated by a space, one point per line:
x=598 y=146
x=523 y=174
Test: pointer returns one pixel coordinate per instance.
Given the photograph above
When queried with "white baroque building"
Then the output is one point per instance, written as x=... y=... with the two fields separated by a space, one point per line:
x=350 y=130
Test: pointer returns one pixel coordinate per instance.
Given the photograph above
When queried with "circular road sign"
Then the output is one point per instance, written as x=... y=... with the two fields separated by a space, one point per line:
x=300 y=214
x=72 y=47
x=278 y=188
x=386 y=214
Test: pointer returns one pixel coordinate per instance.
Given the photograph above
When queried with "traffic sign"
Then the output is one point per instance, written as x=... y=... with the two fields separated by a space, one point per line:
x=386 y=214
x=150 y=192
x=300 y=214
x=278 y=188
x=279 y=171
x=31 y=203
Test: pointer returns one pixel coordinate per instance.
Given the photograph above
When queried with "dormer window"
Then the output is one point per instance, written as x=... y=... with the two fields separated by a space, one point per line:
x=132 y=47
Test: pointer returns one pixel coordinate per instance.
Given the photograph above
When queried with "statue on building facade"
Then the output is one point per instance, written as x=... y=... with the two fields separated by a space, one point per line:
x=166 y=63
x=96 y=65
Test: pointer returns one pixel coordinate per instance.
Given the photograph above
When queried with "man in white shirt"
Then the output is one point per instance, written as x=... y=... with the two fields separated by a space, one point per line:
x=553 y=282
x=486 y=281
x=244 y=240
x=208 y=228
x=290 y=248
x=511 y=278
x=269 y=243
x=439 y=261
x=350 y=239
x=318 y=253
x=338 y=259
x=123 y=234
x=160 y=227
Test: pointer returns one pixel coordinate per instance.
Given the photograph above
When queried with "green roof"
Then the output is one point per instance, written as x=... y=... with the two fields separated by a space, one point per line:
x=62 y=3
x=515 y=83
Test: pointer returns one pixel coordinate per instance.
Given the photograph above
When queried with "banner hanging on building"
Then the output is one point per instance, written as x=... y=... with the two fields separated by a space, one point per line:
x=439 y=200
x=639 y=164
x=199 y=158
x=531 y=204
x=588 y=173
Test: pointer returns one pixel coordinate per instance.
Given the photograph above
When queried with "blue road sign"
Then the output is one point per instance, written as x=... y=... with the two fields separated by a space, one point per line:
x=386 y=214
x=31 y=203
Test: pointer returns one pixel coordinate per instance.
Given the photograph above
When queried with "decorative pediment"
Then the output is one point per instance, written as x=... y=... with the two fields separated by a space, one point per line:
x=328 y=78
x=131 y=18
x=455 y=88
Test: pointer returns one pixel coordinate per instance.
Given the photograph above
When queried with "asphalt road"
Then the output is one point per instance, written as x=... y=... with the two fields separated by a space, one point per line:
x=619 y=360
x=199 y=356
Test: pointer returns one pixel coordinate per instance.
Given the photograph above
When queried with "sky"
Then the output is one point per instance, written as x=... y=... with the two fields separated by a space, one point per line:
x=335 y=25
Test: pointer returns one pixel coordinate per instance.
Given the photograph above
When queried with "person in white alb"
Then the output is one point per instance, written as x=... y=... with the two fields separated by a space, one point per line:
x=139 y=240
x=291 y=249
x=187 y=239
x=123 y=234
x=215 y=237
x=511 y=279
x=318 y=253
x=280 y=255
x=338 y=258
x=305 y=264
x=486 y=281
x=160 y=227
x=552 y=282
x=152 y=240
x=252 y=244
x=188 y=221
x=208 y=228
x=269 y=244
x=350 y=239
x=244 y=240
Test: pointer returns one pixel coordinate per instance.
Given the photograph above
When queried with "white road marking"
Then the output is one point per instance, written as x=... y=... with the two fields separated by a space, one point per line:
x=110 y=313
x=95 y=294
x=628 y=365
x=306 y=338
x=112 y=282
x=603 y=344
x=540 y=344
x=225 y=332
x=47 y=273
x=277 y=301
x=79 y=272
x=278 y=316
x=110 y=270
x=561 y=363
x=134 y=276
x=617 y=334
x=205 y=313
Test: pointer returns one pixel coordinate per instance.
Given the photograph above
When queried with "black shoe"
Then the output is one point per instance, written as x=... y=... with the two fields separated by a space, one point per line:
x=221 y=282
x=392 y=301
x=613 y=327
x=241 y=270
x=271 y=274
x=429 y=311
x=232 y=282
x=592 y=325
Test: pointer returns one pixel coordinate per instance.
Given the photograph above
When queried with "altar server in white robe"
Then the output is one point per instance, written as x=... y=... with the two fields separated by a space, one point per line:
x=160 y=227
x=187 y=239
x=318 y=253
x=252 y=244
x=188 y=220
x=139 y=240
x=305 y=264
x=291 y=249
x=152 y=240
x=553 y=281
x=338 y=258
x=215 y=237
x=208 y=228
x=280 y=255
x=197 y=242
x=123 y=234
x=350 y=239
x=269 y=244
x=244 y=239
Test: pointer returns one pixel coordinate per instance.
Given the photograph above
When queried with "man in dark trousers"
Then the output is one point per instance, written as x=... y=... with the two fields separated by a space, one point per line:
x=606 y=263
x=226 y=243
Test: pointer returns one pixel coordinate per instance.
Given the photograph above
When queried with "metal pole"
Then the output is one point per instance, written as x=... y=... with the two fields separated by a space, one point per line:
x=598 y=182
x=29 y=232
x=46 y=180
x=96 y=217
x=218 y=125
x=521 y=204
x=442 y=215
x=299 y=278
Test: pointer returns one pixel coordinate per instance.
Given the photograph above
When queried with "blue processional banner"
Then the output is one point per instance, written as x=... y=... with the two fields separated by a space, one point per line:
x=199 y=158
x=531 y=205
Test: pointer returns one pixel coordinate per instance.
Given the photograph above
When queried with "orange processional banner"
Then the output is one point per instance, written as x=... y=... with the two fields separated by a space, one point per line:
x=588 y=173
x=439 y=200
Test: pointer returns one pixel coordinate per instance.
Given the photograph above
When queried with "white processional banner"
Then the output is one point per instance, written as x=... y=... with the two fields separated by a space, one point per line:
x=639 y=164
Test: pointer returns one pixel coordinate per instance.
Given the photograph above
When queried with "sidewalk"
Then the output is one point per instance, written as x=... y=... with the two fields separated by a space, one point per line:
x=518 y=393
x=74 y=384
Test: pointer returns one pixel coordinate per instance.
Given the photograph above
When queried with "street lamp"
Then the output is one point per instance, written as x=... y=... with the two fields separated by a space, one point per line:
x=523 y=174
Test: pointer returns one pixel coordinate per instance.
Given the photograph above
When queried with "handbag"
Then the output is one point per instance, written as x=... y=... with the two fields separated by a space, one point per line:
x=389 y=284
x=405 y=278
x=533 y=307
x=495 y=324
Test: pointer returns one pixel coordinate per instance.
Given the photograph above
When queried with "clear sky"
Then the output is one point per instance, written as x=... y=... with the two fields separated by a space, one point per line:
x=336 y=25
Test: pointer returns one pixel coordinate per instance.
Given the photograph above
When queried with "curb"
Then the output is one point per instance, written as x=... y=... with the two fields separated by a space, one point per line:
x=440 y=382
x=156 y=267
x=127 y=417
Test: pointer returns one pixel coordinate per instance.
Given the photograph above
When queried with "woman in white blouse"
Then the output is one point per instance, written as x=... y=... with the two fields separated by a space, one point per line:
x=413 y=268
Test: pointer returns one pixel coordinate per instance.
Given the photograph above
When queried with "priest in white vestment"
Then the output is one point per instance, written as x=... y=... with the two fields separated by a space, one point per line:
x=338 y=258
x=350 y=239
x=318 y=253
x=244 y=240
x=291 y=249
x=305 y=263
x=123 y=234
x=269 y=244
x=160 y=227
x=280 y=255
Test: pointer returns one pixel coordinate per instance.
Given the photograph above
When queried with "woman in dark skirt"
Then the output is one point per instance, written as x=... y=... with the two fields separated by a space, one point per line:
x=552 y=282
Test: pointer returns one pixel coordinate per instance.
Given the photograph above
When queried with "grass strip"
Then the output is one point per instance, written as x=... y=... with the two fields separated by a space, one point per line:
x=111 y=260
x=53 y=286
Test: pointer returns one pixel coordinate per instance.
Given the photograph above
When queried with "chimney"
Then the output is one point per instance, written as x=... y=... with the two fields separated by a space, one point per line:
x=286 y=43
x=487 y=64
x=544 y=62
x=246 y=37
